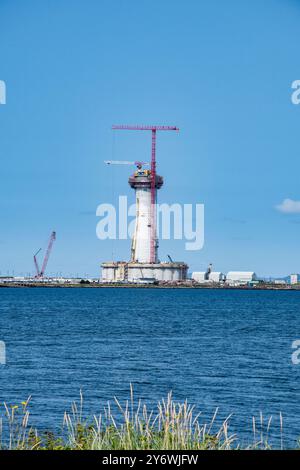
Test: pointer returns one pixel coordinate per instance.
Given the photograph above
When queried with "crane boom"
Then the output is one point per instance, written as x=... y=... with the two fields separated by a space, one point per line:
x=124 y=162
x=36 y=263
x=145 y=128
x=51 y=241
x=118 y=162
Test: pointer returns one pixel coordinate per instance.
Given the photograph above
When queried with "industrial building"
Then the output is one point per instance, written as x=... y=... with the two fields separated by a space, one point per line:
x=144 y=263
x=240 y=277
x=294 y=279
x=134 y=272
x=203 y=277
x=233 y=278
x=208 y=276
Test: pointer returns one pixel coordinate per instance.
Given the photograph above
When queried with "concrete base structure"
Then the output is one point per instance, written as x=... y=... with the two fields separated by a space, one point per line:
x=134 y=272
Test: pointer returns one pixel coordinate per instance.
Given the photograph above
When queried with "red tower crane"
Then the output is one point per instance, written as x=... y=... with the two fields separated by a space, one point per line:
x=40 y=273
x=153 y=130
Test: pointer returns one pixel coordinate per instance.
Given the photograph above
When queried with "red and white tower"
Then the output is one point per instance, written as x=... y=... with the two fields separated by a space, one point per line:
x=146 y=192
x=144 y=242
x=144 y=263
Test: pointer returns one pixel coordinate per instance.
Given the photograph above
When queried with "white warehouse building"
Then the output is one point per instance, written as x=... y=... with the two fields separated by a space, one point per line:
x=216 y=276
x=240 y=277
x=212 y=276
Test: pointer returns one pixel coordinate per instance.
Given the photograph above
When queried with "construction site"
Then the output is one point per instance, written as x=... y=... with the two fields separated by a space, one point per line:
x=144 y=264
x=143 y=267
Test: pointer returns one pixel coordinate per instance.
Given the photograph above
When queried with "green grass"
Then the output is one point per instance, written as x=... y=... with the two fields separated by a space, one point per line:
x=172 y=426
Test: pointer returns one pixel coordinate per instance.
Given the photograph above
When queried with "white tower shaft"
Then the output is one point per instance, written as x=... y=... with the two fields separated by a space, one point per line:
x=141 y=243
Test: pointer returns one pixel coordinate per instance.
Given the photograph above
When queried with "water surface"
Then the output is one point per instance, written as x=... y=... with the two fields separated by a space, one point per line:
x=217 y=348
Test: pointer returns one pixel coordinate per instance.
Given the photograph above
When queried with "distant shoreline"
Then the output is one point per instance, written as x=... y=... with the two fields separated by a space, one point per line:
x=148 y=286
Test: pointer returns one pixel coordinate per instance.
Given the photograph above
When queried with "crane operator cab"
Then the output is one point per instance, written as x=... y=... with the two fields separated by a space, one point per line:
x=140 y=170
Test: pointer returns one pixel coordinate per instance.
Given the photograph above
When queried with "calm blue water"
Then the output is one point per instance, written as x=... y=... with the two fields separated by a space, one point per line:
x=230 y=349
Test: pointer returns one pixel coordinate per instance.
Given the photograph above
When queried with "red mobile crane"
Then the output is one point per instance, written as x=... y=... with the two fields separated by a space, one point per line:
x=153 y=130
x=40 y=273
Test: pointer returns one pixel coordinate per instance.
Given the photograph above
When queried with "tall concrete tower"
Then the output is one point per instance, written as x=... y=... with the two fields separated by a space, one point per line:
x=141 y=242
x=144 y=265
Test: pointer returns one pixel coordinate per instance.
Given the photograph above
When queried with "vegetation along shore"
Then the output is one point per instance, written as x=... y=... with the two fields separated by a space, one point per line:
x=171 y=426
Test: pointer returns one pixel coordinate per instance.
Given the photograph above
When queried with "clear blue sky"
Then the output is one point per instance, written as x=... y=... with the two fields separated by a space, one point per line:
x=221 y=71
